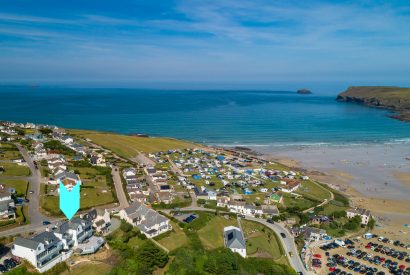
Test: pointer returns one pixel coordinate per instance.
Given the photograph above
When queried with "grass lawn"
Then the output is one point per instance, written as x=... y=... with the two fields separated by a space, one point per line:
x=131 y=146
x=313 y=190
x=93 y=268
x=13 y=169
x=302 y=203
x=175 y=239
x=211 y=235
x=21 y=186
x=261 y=241
x=9 y=151
x=330 y=208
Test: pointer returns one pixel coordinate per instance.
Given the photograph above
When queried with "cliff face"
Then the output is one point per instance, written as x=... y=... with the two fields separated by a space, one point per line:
x=394 y=98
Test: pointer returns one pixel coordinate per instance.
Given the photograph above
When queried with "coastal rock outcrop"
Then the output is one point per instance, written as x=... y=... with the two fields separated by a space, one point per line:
x=396 y=99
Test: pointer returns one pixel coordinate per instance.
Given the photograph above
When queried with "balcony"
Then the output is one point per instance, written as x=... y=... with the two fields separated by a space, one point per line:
x=84 y=235
x=45 y=256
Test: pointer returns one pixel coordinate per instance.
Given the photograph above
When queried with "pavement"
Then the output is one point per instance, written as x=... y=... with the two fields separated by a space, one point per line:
x=122 y=198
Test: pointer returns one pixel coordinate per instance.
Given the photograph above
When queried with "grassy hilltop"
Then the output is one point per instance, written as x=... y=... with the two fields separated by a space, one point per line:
x=394 y=98
x=130 y=146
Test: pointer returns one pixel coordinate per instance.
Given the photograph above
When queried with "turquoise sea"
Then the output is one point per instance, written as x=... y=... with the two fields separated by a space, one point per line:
x=228 y=117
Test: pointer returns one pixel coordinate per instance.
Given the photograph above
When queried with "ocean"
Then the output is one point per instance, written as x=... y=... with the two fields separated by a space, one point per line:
x=225 y=117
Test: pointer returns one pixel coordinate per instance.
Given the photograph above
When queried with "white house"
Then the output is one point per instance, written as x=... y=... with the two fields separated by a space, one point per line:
x=290 y=186
x=313 y=234
x=99 y=218
x=129 y=172
x=363 y=213
x=72 y=233
x=147 y=220
x=51 y=247
x=211 y=195
x=234 y=240
x=6 y=206
x=42 y=251
x=67 y=139
x=241 y=207
x=97 y=159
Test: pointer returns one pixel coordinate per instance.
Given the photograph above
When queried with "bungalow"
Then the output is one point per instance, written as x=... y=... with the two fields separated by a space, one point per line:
x=270 y=210
x=363 y=213
x=291 y=186
x=147 y=220
x=234 y=240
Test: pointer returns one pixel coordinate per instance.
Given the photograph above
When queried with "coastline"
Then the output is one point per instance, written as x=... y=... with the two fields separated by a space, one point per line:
x=359 y=173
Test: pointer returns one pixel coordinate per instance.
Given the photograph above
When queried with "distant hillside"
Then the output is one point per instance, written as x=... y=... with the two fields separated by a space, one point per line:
x=393 y=98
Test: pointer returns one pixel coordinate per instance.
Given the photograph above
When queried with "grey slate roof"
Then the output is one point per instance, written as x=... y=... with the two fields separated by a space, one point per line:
x=234 y=238
x=46 y=238
x=138 y=210
x=26 y=243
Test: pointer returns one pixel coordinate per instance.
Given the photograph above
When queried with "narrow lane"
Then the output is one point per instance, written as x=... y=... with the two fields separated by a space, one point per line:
x=35 y=216
x=119 y=189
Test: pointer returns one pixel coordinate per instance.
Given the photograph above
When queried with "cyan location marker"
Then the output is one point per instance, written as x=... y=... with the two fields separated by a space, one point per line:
x=70 y=200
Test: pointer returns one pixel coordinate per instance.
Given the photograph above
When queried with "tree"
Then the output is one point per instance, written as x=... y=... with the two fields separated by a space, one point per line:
x=371 y=224
x=126 y=227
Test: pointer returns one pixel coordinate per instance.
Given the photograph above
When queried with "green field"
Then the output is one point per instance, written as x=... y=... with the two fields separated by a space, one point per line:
x=94 y=268
x=21 y=186
x=302 y=203
x=131 y=146
x=261 y=241
x=94 y=190
x=175 y=239
x=211 y=235
x=14 y=170
x=313 y=190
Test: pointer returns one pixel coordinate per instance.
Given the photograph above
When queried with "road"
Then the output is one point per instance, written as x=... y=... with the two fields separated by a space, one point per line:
x=119 y=189
x=35 y=216
x=288 y=243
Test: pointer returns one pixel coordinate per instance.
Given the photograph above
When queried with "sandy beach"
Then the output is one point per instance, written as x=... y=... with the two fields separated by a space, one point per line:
x=375 y=177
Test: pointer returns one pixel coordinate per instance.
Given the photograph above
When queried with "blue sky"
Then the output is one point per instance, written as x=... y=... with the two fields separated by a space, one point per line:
x=204 y=41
